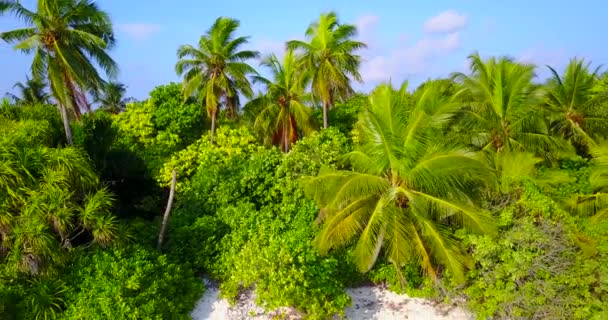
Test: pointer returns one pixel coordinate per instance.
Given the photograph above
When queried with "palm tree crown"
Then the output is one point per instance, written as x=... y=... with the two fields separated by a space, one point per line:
x=330 y=54
x=216 y=71
x=67 y=37
x=573 y=110
x=404 y=190
x=112 y=97
x=283 y=107
x=30 y=93
x=502 y=111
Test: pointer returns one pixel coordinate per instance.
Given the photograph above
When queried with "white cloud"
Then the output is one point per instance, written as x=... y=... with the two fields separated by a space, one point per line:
x=267 y=47
x=406 y=60
x=366 y=28
x=541 y=57
x=139 y=31
x=366 y=23
x=446 y=22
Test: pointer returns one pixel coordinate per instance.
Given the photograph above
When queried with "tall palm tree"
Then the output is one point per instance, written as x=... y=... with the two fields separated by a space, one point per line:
x=283 y=107
x=405 y=189
x=330 y=54
x=575 y=114
x=501 y=107
x=68 y=38
x=216 y=71
x=31 y=92
x=112 y=97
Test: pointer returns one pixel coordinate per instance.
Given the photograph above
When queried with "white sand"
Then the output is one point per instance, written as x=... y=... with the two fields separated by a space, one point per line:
x=379 y=303
x=367 y=303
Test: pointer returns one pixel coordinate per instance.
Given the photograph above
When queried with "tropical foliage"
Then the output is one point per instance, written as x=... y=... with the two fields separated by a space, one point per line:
x=574 y=112
x=487 y=188
x=501 y=107
x=283 y=112
x=404 y=187
x=215 y=72
x=330 y=56
x=112 y=97
x=30 y=93
x=68 y=39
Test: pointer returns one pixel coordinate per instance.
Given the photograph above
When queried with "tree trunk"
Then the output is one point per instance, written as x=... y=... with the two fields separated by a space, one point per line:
x=66 y=124
x=163 y=227
x=285 y=137
x=213 y=119
x=325 y=107
x=72 y=96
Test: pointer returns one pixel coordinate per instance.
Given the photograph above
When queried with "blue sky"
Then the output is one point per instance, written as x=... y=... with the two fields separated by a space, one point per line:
x=413 y=40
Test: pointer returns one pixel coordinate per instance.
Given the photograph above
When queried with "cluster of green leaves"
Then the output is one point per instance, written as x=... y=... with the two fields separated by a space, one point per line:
x=160 y=126
x=133 y=282
x=227 y=143
x=246 y=221
x=546 y=262
x=50 y=200
x=130 y=283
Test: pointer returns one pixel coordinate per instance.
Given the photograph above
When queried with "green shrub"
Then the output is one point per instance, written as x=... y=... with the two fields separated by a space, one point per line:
x=244 y=219
x=543 y=265
x=131 y=283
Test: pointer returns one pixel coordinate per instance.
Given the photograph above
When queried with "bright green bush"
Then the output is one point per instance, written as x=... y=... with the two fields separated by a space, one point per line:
x=228 y=143
x=131 y=283
x=245 y=220
x=50 y=201
x=160 y=126
x=544 y=265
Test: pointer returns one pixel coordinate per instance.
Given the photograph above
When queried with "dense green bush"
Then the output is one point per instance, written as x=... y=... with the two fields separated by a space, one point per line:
x=131 y=283
x=46 y=116
x=544 y=265
x=160 y=126
x=246 y=213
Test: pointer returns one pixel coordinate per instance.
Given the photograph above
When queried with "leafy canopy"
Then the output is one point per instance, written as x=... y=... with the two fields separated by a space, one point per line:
x=283 y=111
x=405 y=189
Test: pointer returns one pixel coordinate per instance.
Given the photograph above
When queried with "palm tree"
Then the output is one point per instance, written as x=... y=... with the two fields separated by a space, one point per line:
x=112 y=97
x=67 y=37
x=216 y=71
x=405 y=190
x=283 y=107
x=330 y=54
x=501 y=112
x=575 y=114
x=596 y=203
x=30 y=93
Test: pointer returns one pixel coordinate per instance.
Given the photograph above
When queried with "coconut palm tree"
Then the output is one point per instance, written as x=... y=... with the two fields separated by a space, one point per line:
x=330 y=54
x=112 y=97
x=406 y=188
x=574 y=113
x=31 y=92
x=595 y=204
x=501 y=107
x=216 y=71
x=283 y=108
x=68 y=38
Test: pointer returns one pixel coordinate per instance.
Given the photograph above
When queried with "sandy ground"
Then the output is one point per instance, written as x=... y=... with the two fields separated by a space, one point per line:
x=368 y=303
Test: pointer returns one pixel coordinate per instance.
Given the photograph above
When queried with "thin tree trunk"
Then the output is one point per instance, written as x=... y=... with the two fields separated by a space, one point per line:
x=163 y=227
x=72 y=95
x=325 y=107
x=213 y=119
x=66 y=124
x=285 y=137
